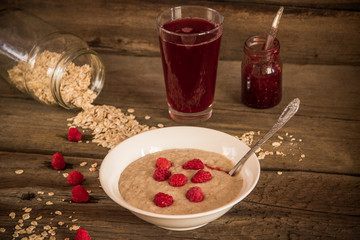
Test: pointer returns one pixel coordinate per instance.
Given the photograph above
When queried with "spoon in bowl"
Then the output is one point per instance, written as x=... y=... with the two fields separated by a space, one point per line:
x=285 y=116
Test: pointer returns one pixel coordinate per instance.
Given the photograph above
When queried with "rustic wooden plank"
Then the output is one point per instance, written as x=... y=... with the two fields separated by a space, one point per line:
x=324 y=126
x=276 y=203
x=128 y=27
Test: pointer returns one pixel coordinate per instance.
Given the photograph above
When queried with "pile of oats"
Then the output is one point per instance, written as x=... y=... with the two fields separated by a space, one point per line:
x=36 y=79
x=109 y=125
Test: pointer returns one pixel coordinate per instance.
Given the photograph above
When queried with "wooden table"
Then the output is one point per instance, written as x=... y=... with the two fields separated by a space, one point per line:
x=311 y=192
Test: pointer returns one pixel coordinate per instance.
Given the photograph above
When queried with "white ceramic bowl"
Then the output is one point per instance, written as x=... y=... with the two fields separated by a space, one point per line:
x=177 y=137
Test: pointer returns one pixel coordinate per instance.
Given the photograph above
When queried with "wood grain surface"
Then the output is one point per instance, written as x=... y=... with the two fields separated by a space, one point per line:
x=313 y=192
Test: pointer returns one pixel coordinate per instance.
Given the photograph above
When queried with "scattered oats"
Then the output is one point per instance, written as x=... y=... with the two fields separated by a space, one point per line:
x=74 y=227
x=279 y=173
x=300 y=140
x=147 y=117
x=20 y=171
x=131 y=110
x=44 y=234
x=52 y=238
x=160 y=125
x=300 y=159
x=49 y=203
x=292 y=139
x=302 y=156
x=280 y=153
x=12 y=215
x=52 y=231
x=2 y=230
x=109 y=125
x=276 y=144
x=258 y=150
x=41 y=193
x=38 y=218
x=66 y=238
x=92 y=169
x=258 y=132
x=30 y=229
x=58 y=212
x=17 y=227
x=287 y=134
x=269 y=153
x=94 y=165
x=47 y=227
x=27 y=210
x=89 y=191
x=247 y=138
x=65 y=175
x=280 y=137
x=51 y=194
x=61 y=223
x=83 y=164
x=26 y=216
x=74 y=220
x=39 y=199
x=261 y=155
x=21 y=221
x=34 y=223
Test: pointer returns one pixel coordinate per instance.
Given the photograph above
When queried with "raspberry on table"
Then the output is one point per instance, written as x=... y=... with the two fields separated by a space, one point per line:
x=177 y=180
x=58 y=161
x=163 y=162
x=195 y=194
x=79 y=194
x=82 y=234
x=163 y=200
x=74 y=134
x=201 y=176
x=75 y=178
x=194 y=164
x=161 y=174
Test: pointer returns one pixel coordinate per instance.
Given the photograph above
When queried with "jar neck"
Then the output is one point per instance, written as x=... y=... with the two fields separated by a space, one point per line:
x=254 y=47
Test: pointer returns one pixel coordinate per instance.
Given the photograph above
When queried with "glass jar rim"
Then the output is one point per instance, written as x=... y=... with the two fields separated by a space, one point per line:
x=257 y=40
x=173 y=17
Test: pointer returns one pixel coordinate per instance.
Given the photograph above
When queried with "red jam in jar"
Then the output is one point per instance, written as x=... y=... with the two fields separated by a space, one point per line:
x=261 y=73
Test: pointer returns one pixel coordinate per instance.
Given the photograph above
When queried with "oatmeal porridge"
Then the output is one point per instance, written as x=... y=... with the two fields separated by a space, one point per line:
x=138 y=184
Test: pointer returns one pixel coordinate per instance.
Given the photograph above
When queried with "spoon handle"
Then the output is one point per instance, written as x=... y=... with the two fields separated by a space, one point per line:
x=285 y=116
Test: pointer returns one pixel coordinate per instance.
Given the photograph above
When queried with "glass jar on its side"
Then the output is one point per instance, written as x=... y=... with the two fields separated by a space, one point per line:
x=261 y=73
x=53 y=67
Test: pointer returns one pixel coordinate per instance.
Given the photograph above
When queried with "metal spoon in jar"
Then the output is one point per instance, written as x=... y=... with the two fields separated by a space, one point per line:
x=285 y=116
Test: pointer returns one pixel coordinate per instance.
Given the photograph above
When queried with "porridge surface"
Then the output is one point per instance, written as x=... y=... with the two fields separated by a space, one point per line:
x=138 y=187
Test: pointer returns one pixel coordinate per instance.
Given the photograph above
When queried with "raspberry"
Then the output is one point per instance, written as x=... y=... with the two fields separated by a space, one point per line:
x=194 y=164
x=82 y=234
x=163 y=162
x=201 y=176
x=163 y=200
x=79 y=194
x=161 y=174
x=58 y=161
x=178 y=180
x=195 y=194
x=75 y=178
x=74 y=135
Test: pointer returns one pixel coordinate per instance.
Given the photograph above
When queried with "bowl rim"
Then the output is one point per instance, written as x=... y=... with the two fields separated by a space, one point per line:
x=228 y=205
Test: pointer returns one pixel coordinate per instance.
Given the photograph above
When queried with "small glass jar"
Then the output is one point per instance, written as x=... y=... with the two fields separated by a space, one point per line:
x=54 y=67
x=261 y=73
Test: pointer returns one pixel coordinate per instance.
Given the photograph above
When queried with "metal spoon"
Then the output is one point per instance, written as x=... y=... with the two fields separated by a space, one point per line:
x=285 y=116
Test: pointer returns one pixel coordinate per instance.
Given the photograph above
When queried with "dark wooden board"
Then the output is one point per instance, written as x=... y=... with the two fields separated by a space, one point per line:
x=319 y=32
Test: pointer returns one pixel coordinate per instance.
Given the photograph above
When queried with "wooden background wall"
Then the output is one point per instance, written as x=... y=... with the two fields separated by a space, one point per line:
x=311 y=31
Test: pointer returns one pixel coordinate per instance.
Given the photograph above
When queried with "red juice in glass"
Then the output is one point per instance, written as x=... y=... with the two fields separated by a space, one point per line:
x=190 y=52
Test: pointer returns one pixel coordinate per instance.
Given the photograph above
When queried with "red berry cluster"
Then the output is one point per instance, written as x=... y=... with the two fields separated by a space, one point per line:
x=78 y=194
x=162 y=173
